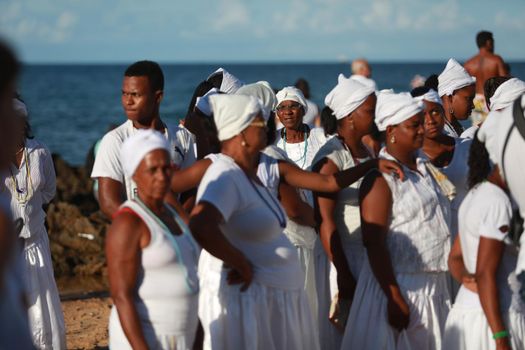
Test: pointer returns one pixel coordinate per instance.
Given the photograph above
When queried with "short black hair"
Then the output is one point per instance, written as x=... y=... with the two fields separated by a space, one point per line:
x=483 y=37
x=148 y=69
x=328 y=121
x=200 y=90
x=478 y=162
x=9 y=64
x=419 y=91
x=432 y=82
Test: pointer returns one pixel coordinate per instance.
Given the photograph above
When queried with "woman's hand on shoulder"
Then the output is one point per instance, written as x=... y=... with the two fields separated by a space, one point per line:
x=390 y=167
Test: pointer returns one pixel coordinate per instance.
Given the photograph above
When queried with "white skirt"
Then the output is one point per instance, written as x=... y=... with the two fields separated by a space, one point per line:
x=467 y=327
x=427 y=295
x=307 y=261
x=262 y=317
x=46 y=319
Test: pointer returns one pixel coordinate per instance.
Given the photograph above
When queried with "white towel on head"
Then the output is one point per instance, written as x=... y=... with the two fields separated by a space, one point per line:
x=364 y=80
x=137 y=146
x=264 y=92
x=393 y=109
x=20 y=108
x=233 y=113
x=230 y=83
x=453 y=77
x=347 y=96
x=291 y=93
x=203 y=102
x=506 y=93
x=430 y=96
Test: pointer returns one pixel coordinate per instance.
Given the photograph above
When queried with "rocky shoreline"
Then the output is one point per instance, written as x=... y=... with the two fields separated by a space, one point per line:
x=77 y=230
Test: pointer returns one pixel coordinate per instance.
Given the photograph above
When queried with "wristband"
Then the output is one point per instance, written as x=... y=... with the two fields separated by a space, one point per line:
x=499 y=335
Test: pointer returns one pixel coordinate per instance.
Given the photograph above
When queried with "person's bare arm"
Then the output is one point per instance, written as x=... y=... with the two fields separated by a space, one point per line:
x=502 y=69
x=457 y=269
x=126 y=237
x=376 y=204
x=490 y=252
x=325 y=204
x=299 y=178
x=204 y=225
x=110 y=195
x=296 y=210
x=186 y=179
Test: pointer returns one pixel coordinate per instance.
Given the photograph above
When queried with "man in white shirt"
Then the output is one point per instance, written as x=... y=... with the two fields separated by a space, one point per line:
x=142 y=93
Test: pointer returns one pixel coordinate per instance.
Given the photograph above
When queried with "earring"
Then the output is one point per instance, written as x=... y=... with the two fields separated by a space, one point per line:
x=393 y=139
x=243 y=143
x=451 y=111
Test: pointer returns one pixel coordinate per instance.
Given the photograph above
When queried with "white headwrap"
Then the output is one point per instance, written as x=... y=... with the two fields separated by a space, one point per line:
x=233 y=113
x=230 y=83
x=393 y=109
x=203 y=103
x=137 y=146
x=430 y=96
x=20 y=108
x=506 y=93
x=291 y=93
x=347 y=96
x=453 y=77
x=264 y=92
x=365 y=81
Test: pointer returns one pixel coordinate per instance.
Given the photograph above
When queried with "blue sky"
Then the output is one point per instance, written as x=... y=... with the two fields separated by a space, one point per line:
x=258 y=31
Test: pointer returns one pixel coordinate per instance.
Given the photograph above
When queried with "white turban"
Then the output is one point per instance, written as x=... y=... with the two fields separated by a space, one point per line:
x=137 y=146
x=430 y=96
x=233 y=113
x=506 y=93
x=364 y=80
x=203 y=102
x=264 y=92
x=291 y=93
x=20 y=108
x=393 y=109
x=347 y=96
x=230 y=83
x=453 y=77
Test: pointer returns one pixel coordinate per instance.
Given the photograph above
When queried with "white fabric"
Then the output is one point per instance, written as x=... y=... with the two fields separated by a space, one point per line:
x=449 y=130
x=20 y=108
x=291 y=93
x=168 y=287
x=429 y=302
x=485 y=209
x=453 y=77
x=347 y=96
x=418 y=238
x=507 y=93
x=393 y=109
x=430 y=96
x=273 y=313
x=457 y=173
x=230 y=83
x=469 y=133
x=108 y=162
x=264 y=92
x=365 y=81
x=233 y=113
x=137 y=146
x=202 y=103
x=45 y=311
x=311 y=114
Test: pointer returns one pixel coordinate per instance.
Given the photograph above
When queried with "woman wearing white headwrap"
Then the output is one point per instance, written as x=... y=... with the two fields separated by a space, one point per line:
x=402 y=299
x=31 y=184
x=240 y=222
x=457 y=90
x=152 y=257
x=225 y=81
x=353 y=106
x=447 y=153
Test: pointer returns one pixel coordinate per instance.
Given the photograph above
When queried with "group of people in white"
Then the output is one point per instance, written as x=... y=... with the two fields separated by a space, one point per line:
x=388 y=231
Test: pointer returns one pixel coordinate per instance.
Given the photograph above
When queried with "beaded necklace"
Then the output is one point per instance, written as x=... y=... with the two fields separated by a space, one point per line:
x=22 y=194
x=303 y=157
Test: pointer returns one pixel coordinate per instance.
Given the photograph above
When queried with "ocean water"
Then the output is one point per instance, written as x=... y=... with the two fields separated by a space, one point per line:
x=71 y=106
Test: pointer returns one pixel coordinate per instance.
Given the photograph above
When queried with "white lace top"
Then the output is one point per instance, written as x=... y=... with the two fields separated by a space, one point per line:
x=419 y=237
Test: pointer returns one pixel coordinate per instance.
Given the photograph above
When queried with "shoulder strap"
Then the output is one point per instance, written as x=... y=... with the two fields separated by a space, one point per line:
x=519 y=118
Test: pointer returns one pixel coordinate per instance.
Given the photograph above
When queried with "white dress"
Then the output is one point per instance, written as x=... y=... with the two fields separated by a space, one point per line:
x=107 y=161
x=168 y=287
x=418 y=242
x=31 y=187
x=304 y=237
x=348 y=221
x=485 y=209
x=273 y=312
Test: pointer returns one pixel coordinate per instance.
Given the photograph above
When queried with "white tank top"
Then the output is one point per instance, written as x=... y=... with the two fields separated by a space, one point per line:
x=167 y=284
x=418 y=238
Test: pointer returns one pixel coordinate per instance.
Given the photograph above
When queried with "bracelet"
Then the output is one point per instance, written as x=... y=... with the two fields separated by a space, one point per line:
x=499 y=335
